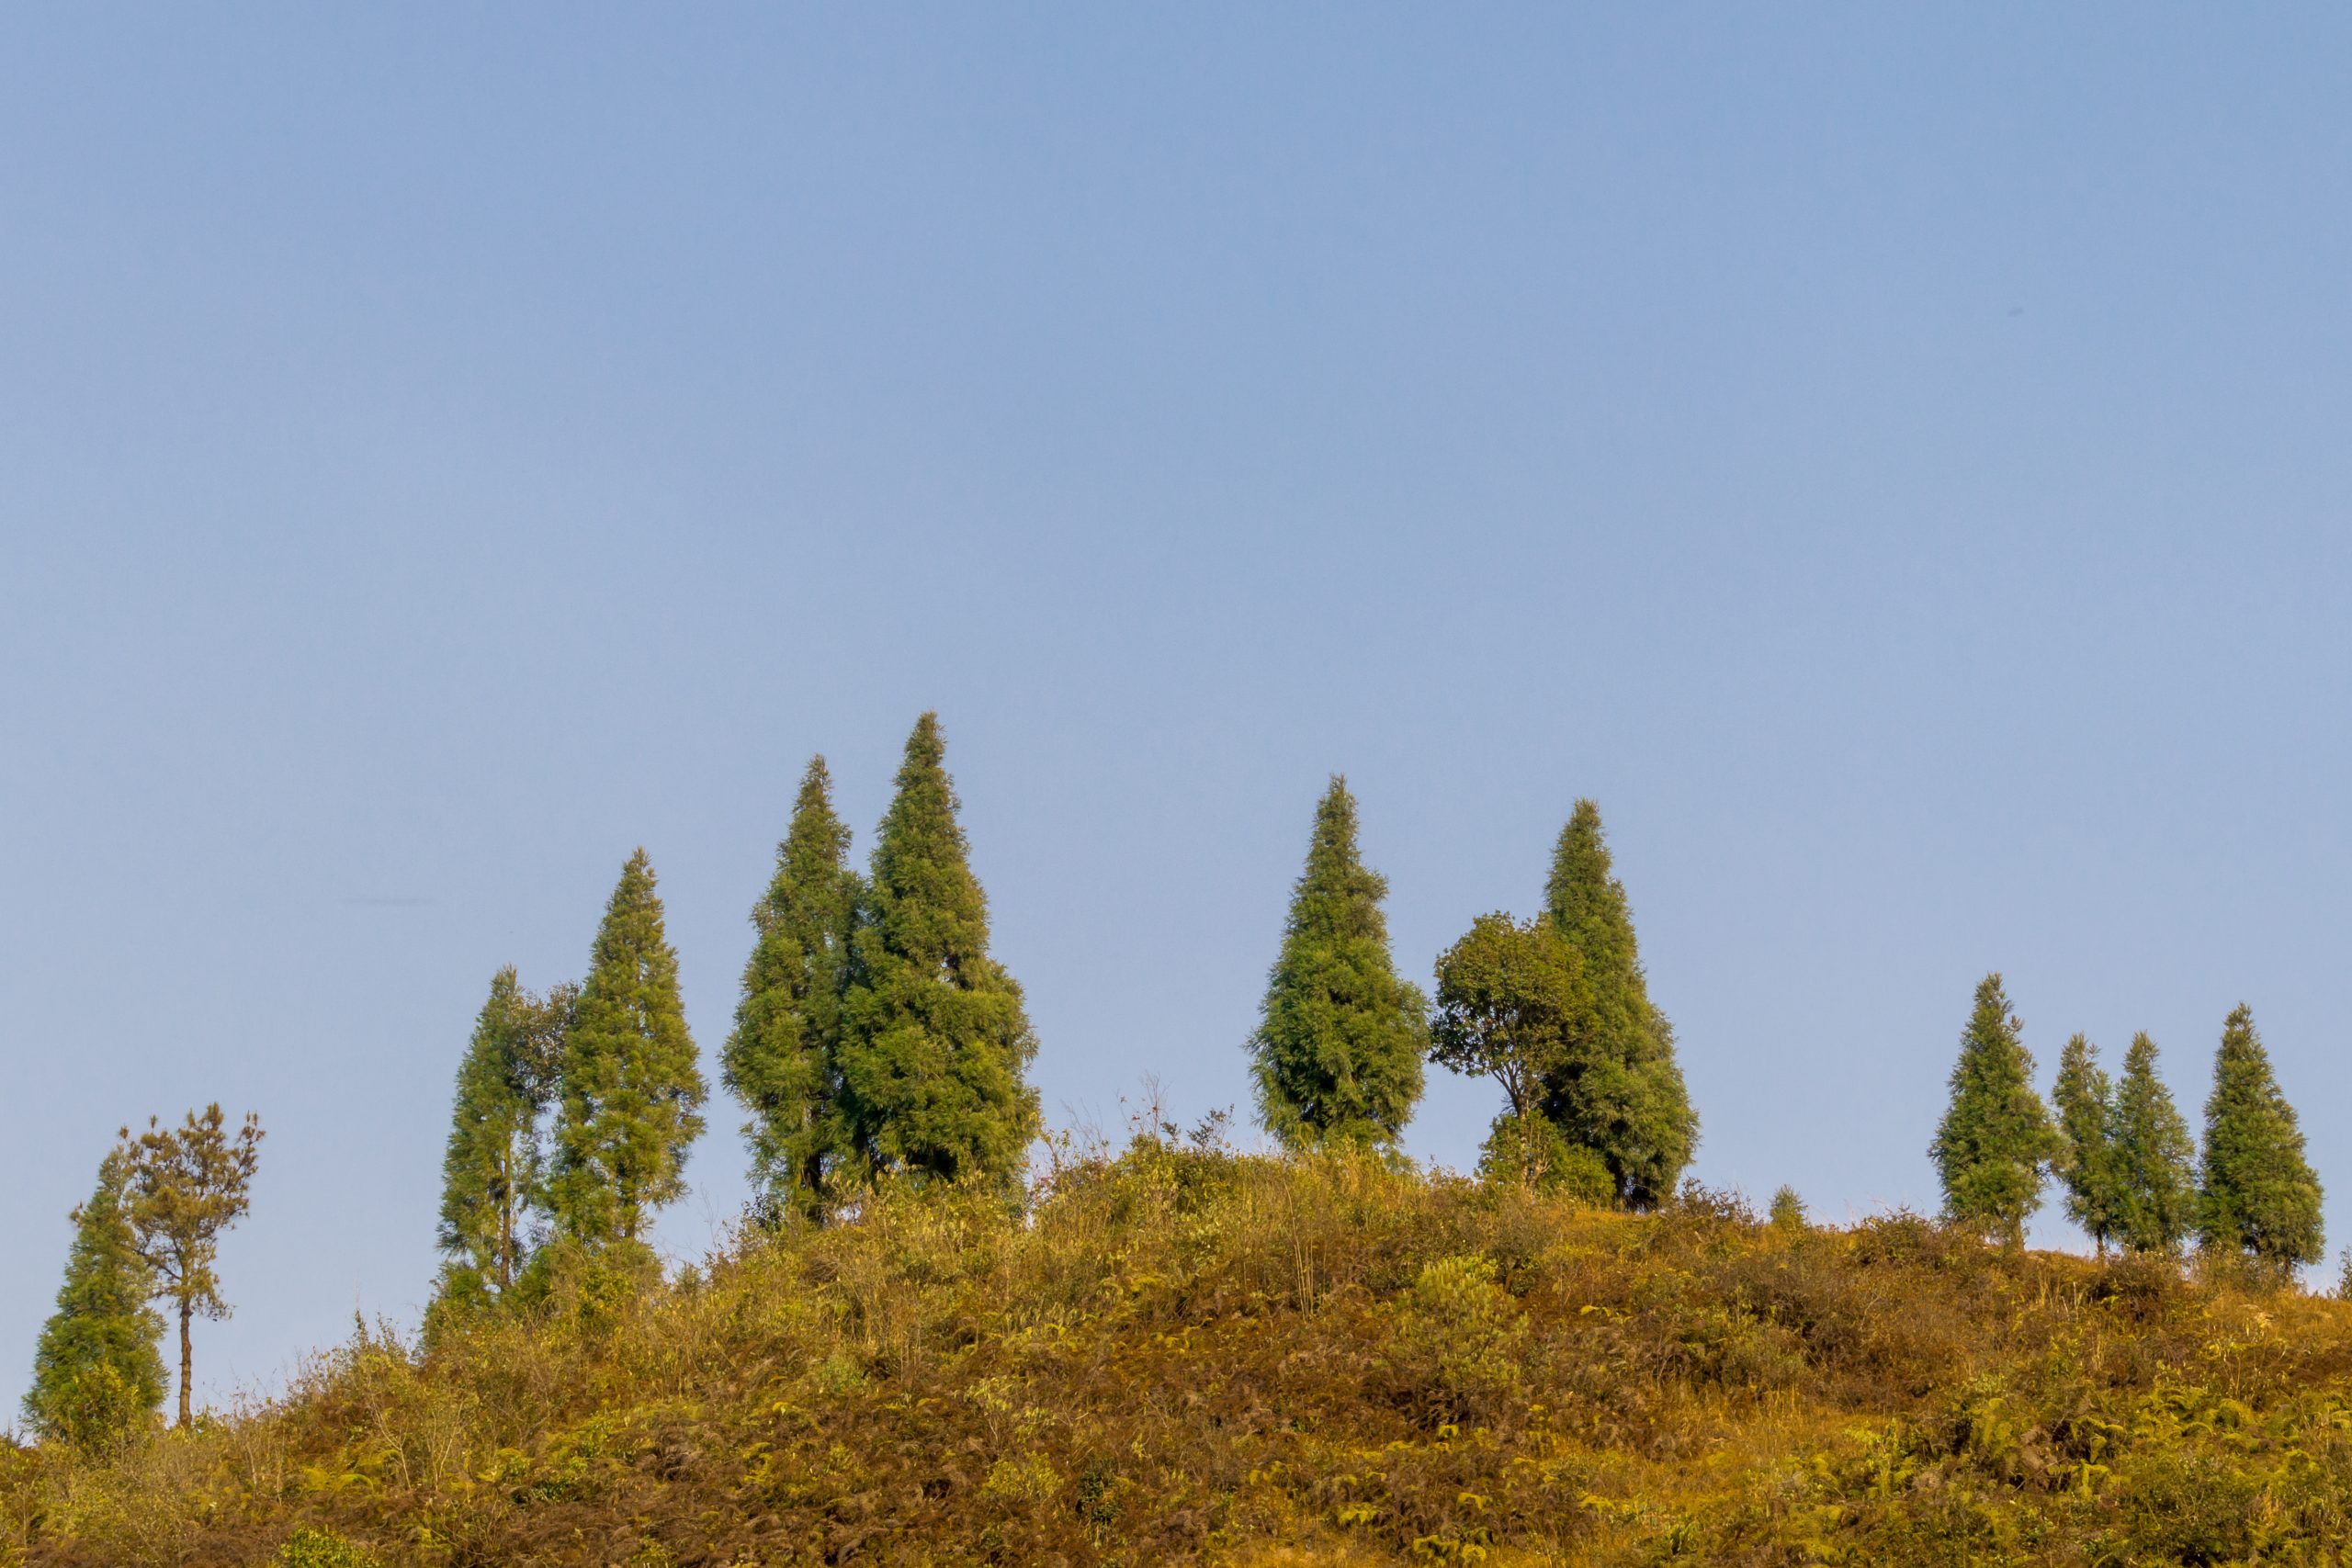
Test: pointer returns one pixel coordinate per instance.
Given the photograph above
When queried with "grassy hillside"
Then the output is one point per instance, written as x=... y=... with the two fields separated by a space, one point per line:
x=1189 y=1356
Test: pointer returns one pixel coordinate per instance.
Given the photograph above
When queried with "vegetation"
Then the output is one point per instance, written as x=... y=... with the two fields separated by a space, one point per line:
x=1995 y=1136
x=2260 y=1198
x=1337 y=1057
x=2084 y=1097
x=96 y=1375
x=783 y=1061
x=630 y=1089
x=182 y=1187
x=1187 y=1355
x=1620 y=1094
x=491 y=1173
x=1511 y=1005
x=2155 y=1175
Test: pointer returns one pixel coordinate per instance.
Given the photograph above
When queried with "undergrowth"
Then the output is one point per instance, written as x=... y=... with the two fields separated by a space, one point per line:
x=1191 y=1356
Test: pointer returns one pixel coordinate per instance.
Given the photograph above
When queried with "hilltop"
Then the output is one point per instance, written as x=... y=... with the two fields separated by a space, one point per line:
x=1184 y=1354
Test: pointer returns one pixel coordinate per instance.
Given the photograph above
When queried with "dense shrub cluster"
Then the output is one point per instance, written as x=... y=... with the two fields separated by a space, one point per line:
x=1188 y=1355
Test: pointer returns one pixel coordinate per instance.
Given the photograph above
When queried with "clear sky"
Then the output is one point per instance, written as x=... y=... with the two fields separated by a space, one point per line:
x=1896 y=462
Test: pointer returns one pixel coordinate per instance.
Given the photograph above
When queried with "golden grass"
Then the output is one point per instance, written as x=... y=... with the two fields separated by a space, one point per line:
x=1189 y=1356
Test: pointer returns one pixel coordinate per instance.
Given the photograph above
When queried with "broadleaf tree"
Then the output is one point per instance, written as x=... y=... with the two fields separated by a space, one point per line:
x=1995 y=1136
x=97 y=1373
x=2260 y=1197
x=936 y=1041
x=2154 y=1158
x=782 y=1059
x=1511 y=1004
x=492 y=1170
x=184 y=1186
x=1621 y=1093
x=630 y=1090
x=1337 y=1055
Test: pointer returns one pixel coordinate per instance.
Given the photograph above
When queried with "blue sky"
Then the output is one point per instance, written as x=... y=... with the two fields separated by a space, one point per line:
x=1895 y=462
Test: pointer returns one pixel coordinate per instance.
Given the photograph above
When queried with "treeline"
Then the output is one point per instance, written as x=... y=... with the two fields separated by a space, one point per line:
x=2121 y=1151
x=876 y=1039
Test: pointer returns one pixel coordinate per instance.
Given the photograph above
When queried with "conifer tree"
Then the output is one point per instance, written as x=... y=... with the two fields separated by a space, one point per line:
x=491 y=1173
x=782 y=1059
x=2155 y=1175
x=1338 y=1046
x=1621 y=1093
x=183 y=1186
x=935 y=1045
x=97 y=1373
x=1995 y=1136
x=2084 y=1099
x=2260 y=1196
x=629 y=1088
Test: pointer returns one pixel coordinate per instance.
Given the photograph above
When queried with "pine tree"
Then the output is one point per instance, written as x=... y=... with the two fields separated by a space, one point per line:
x=2260 y=1196
x=2155 y=1176
x=491 y=1173
x=97 y=1373
x=629 y=1087
x=782 y=1059
x=1341 y=1037
x=183 y=1186
x=1511 y=1003
x=935 y=1045
x=1621 y=1093
x=2084 y=1098
x=1995 y=1138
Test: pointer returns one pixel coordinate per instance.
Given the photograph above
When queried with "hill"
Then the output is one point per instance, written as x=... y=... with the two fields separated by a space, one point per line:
x=1187 y=1354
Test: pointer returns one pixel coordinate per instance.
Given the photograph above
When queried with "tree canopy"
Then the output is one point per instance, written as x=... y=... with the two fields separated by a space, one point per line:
x=1995 y=1135
x=2260 y=1196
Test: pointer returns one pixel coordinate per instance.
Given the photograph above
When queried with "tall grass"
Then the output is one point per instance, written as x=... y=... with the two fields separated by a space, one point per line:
x=1188 y=1355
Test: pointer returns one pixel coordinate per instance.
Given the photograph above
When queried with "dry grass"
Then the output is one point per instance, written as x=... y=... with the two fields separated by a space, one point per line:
x=1191 y=1356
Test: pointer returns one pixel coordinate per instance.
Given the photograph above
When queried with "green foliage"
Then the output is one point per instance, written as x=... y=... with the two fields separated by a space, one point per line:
x=97 y=1374
x=308 y=1548
x=935 y=1044
x=782 y=1059
x=183 y=1187
x=2260 y=1197
x=1519 y=1146
x=1512 y=1006
x=1990 y=1147
x=2085 y=1156
x=1620 y=1093
x=2156 y=1174
x=1337 y=1055
x=629 y=1087
x=1788 y=1209
x=490 y=1171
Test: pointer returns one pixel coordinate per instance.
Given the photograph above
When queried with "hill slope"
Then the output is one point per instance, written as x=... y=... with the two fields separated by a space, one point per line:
x=1193 y=1356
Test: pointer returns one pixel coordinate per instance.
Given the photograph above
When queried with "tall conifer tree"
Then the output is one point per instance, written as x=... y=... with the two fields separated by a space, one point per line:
x=935 y=1044
x=1340 y=1041
x=2084 y=1098
x=782 y=1059
x=182 y=1188
x=630 y=1088
x=97 y=1373
x=492 y=1170
x=2260 y=1196
x=1620 y=1093
x=2156 y=1174
x=1995 y=1136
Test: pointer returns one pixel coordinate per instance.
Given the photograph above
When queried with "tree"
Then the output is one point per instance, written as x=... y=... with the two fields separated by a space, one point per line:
x=183 y=1187
x=1788 y=1209
x=935 y=1044
x=2154 y=1162
x=1341 y=1037
x=1511 y=1003
x=2084 y=1161
x=1995 y=1136
x=2260 y=1196
x=783 y=1061
x=1620 y=1093
x=491 y=1171
x=630 y=1086
x=96 y=1371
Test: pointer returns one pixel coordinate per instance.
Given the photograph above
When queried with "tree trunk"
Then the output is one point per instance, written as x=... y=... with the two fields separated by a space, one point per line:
x=188 y=1363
